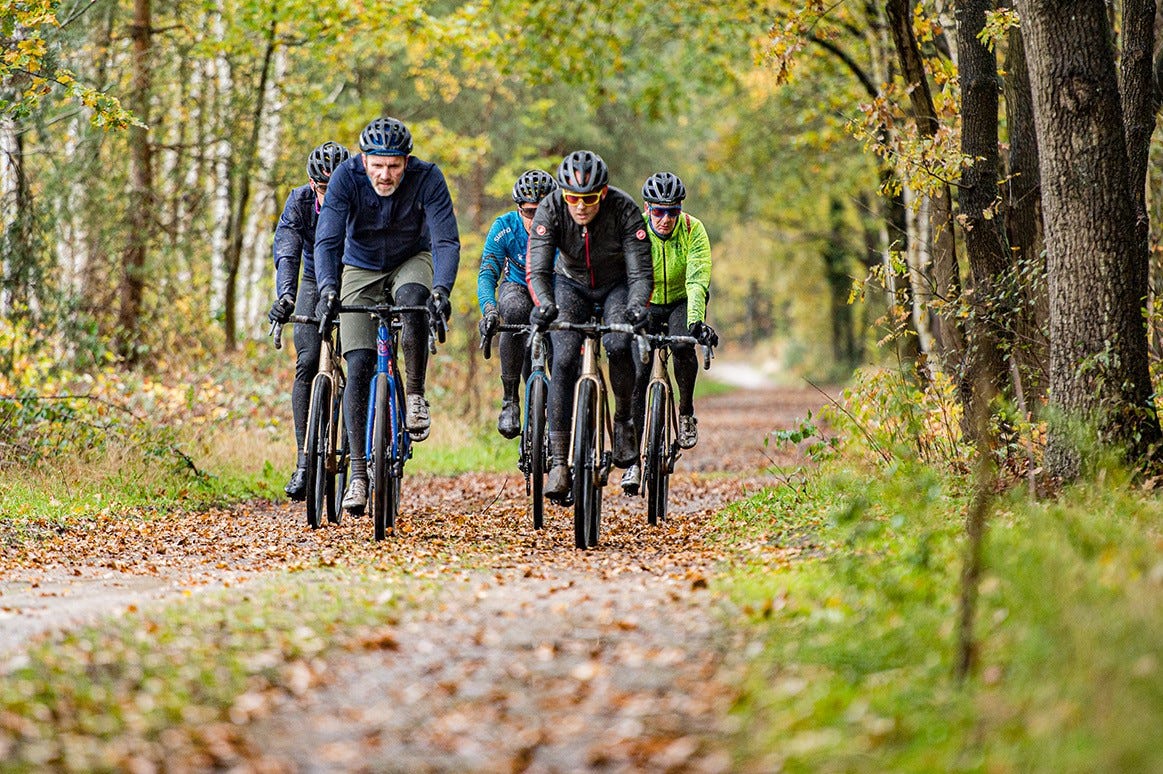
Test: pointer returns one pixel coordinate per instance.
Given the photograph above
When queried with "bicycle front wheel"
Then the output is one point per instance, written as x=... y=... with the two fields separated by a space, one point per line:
x=318 y=421
x=535 y=449
x=340 y=460
x=657 y=471
x=584 y=465
x=381 y=485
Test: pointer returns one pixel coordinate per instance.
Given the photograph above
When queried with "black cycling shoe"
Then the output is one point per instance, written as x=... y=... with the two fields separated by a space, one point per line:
x=296 y=488
x=509 y=423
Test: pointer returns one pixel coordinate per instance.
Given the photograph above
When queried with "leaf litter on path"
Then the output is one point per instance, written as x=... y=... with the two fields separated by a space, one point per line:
x=522 y=652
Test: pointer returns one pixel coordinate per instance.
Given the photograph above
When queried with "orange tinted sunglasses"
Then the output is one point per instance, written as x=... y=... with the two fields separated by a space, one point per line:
x=588 y=199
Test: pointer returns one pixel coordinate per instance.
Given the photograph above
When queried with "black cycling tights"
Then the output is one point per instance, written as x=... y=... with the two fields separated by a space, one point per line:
x=361 y=366
x=575 y=303
x=514 y=305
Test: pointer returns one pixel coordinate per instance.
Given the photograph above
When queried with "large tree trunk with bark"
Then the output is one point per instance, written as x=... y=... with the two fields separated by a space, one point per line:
x=141 y=194
x=946 y=282
x=1097 y=278
x=1023 y=221
x=984 y=243
x=1137 y=87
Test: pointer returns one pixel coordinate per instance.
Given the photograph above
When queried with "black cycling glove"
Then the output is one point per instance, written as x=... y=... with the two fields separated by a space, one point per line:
x=281 y=310
x=327 y=308
x=704 y=333
x=439 y=303
x=489 y=322
x=542 y=315
x=637 y=316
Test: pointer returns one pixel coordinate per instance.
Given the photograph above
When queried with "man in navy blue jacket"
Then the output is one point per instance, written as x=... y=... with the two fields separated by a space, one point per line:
x=388 y=216
x=295 y=245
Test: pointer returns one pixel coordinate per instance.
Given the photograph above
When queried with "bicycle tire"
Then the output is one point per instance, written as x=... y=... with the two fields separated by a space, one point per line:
x=656 y=471
x=315 y=450
x=584 y=463
x=399 y=452
x=381 y=439
x=340 y=457
x=535 y=448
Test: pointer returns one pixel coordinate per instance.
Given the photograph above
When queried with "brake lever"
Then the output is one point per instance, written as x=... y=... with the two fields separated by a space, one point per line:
x=276 y=332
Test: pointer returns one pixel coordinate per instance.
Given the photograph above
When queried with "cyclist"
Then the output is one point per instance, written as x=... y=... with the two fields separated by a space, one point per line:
x=390 y=216
x=682 y=274
x=503 y=264
x=295 y=245
x=603 y=260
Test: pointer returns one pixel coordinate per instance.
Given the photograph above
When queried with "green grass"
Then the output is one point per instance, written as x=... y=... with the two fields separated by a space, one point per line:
x=855 y=637
x=165 y=685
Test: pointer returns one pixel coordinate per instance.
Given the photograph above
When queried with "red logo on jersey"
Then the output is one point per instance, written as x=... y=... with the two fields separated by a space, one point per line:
x=541 y=229
x=641 y=234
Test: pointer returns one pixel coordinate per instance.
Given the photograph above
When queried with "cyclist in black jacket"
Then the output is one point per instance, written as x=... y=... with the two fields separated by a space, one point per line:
x=295 y=246
x=603 y=260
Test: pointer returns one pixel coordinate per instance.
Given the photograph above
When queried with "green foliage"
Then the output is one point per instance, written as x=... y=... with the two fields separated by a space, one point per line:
x=896 y=415
x=854 y=641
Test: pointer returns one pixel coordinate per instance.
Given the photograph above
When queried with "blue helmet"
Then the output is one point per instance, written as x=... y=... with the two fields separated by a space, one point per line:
x=385 y=137
x=583 y=171
x=533 y=186
x=324 y=159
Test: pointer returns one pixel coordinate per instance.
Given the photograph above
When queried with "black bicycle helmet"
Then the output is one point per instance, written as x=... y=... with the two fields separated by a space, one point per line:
x=663 y=188
x=385 y=137
x=324 y=159
x=533 y=186
x=583 y=171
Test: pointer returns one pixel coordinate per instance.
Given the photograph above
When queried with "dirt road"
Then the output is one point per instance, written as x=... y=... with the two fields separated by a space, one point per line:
x=527 y=655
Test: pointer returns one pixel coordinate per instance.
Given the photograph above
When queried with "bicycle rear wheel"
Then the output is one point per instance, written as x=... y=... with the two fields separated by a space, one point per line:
x=318 y=421
x=381 y=484
x=584 y=465
x=535 y=449
x=657 y=470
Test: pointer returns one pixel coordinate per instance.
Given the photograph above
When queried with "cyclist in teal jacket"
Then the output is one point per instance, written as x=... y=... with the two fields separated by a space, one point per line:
x=681 y=253
x=503 y=293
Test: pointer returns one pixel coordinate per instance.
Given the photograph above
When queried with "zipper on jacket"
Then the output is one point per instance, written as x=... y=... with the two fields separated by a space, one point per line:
x=665 y=283
x=589 y=266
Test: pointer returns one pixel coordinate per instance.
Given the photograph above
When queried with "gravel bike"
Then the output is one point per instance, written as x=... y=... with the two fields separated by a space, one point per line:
x=388 y=443
x=534 y=453
x=660 y=448
x=326 y=447
x=590 y=455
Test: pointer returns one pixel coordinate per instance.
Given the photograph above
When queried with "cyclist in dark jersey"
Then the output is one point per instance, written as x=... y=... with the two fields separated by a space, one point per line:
x=294 y=248
x=389 y=216
x=603 y=259
x=503 y=293
x=681 y=252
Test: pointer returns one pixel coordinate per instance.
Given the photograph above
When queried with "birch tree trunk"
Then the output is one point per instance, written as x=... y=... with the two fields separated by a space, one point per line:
x=945 y=280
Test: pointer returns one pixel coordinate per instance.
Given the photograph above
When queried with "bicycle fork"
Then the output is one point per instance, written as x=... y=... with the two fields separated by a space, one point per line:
x=590 y=372
x=660 y=375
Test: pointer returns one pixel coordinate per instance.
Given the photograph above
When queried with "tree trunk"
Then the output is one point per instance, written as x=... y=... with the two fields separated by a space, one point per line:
x=1097 y=280
x=1023 y=215
x=950 y=342
x=1137 y=88
x=248 y=160
x=141 y=194
x=984 y=245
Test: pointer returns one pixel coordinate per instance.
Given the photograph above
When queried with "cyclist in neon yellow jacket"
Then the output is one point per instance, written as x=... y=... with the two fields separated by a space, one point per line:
x=681 y=252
